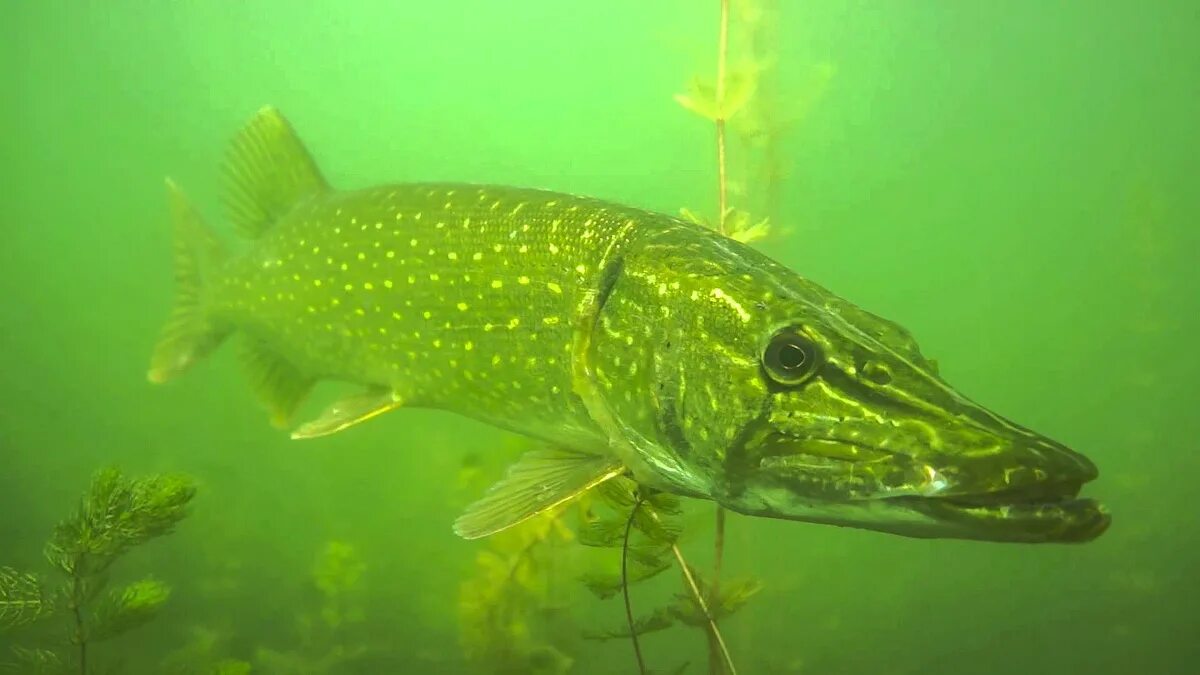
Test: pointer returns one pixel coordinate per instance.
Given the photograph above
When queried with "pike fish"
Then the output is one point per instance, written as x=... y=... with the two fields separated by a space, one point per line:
x=627 y=342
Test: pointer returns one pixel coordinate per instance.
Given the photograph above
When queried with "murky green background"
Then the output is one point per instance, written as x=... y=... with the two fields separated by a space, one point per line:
x=1016 y=182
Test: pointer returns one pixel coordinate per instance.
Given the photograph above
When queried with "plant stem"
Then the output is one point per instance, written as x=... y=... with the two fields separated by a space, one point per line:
x=695 y=589
x=637 y=647
x=714 y=666
x=722 y=52
x=77 y=609
x=722 y=209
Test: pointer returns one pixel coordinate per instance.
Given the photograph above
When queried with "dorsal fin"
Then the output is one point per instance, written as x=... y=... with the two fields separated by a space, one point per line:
x=267 y=171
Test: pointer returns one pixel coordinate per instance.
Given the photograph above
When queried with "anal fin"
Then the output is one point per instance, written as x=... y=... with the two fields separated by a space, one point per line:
x=348 y=411
x=280 y=385
x=538 y=482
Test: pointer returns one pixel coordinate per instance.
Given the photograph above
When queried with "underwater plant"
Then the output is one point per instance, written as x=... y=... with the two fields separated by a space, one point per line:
x=752 y=112
x=504 y=607
x=115 y=515
x=324 y=634
x=646 y=527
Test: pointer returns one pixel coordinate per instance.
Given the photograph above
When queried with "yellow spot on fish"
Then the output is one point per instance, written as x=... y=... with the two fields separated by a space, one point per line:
x=496 y=283
x=412 y=279
x=349 y=287
x=397 y=316
x=316 y=282
x=360 y=311
x=496 y=360
x=581 y=268
x=316 y=250
x=462 y=306
x=369 y=286
x=477 y=256
x=452 y=255
x=433 y=276
x=437 y=343
x=362 y=256
x=550 y=320
x=387 y=283
x=523 y=249
x=497 y=247
x=554 y=288
x=487 y=327
x=379 y=226
x=553 y=248
x=523 y=280
x=391 y=254
x=412 y=242
x=427 y=314
x=737 y=306
x=514 y=322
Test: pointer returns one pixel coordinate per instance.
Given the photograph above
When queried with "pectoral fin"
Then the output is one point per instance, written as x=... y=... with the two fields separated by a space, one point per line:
x=348 y=411
x=539 y=481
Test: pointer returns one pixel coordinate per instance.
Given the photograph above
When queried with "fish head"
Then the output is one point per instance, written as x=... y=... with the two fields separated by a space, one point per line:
x=817 y=410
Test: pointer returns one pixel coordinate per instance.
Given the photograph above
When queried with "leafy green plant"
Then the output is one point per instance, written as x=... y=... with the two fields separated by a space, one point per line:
x=325 y=643
x=502 y=604
x=114 y=516
x=646 y=527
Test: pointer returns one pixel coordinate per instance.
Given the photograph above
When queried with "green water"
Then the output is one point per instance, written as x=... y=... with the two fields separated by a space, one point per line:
x=1014 y=182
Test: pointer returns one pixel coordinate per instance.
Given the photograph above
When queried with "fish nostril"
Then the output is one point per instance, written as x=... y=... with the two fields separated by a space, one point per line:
x=877 y=372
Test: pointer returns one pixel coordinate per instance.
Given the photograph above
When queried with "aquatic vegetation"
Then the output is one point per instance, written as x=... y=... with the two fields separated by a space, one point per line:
x=752 y=112
x=204 y=653
x=326 y=642
x=116 y=515
x=503 y=607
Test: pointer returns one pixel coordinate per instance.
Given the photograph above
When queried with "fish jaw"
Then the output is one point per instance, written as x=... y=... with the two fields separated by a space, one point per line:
x=969 y=474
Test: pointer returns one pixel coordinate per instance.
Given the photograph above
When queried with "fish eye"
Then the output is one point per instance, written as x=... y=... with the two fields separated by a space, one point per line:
x=790 y=358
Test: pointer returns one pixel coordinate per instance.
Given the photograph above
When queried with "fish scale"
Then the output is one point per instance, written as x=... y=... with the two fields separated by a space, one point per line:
x=456 y=296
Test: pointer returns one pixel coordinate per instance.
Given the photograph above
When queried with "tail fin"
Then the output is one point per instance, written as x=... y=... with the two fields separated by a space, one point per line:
x=190 y=333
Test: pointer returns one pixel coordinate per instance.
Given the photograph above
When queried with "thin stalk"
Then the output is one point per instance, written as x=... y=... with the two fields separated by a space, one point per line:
x=637 y=647
x=712 y=625
x=77 y=609
x=714 y=666
x=694 y=588
x=722 y=53
x=714 y=637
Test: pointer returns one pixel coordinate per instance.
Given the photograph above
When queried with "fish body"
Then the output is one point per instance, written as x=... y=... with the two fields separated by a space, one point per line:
x=628 y=341
x=458 y=297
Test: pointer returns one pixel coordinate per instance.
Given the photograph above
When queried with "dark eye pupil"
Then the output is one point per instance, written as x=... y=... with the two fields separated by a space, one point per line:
x=792 y=356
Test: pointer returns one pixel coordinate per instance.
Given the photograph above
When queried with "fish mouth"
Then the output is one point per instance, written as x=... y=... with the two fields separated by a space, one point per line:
x=1026 y=493
x=1043 y=512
